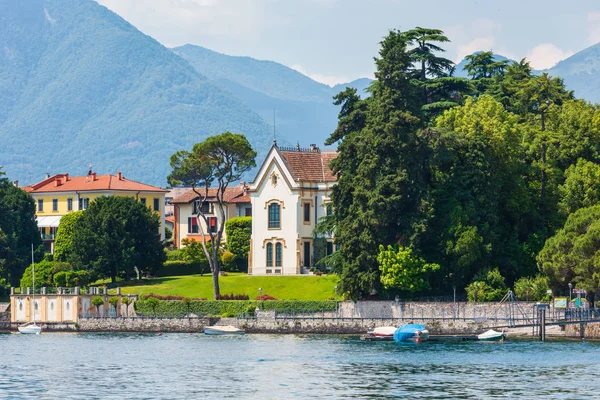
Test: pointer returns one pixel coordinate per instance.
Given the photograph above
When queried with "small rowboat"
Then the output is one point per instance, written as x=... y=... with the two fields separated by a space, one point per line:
x=380 y=333
x=491 y=336
x=223 y=330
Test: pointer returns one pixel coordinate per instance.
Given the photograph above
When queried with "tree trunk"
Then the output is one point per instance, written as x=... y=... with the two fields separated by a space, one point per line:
x=113 y=279
x=216 y=289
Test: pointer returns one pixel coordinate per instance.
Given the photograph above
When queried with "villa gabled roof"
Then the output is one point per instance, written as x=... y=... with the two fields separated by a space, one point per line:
x=232 y=195
x=91 y=182
x=309 y=165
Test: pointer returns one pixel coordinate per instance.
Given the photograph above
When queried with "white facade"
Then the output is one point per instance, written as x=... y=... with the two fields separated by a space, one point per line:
x=286 y=249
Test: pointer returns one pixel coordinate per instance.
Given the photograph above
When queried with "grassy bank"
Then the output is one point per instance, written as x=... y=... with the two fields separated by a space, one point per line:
x=280 y=287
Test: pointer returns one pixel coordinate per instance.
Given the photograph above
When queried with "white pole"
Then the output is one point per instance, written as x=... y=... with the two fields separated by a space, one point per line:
x=33 y=281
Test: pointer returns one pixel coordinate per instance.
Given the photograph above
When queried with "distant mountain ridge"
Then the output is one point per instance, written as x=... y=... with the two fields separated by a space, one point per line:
x=302 y=108
x=81 y=85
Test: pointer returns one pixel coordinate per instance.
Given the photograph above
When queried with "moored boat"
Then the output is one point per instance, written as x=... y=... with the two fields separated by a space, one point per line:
x=411 y=333
x=30 y=328
x=223 y=330
x=492 y=335
x=380 y=333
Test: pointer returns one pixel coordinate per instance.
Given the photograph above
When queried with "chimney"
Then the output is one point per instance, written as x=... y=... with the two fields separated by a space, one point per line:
x=66 y=177
x=314 y=148
x=47 y=175
x=93 y=176
x=119 y=175
x=16 y=183
x=58 y=182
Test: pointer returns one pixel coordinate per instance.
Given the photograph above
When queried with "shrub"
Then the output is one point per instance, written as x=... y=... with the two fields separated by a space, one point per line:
x=533 y=288
x=238 y=231
x=265 y=297
x=175 y=255
x=60 y=279
x=181 y=267
x=153 y=303
x=167 y=297
x=220 y=307
x=228 y=261
x=233 y=297
x=114 y=301
x=488 y=285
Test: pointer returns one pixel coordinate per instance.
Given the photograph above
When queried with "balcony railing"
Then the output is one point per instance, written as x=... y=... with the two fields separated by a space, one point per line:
x=48 y=236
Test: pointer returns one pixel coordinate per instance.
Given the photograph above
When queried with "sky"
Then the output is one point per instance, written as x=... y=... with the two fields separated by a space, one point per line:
x=334 y=41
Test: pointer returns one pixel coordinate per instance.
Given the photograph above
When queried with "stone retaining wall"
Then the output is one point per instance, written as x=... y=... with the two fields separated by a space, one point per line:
x=590 y=331
x=143 y=324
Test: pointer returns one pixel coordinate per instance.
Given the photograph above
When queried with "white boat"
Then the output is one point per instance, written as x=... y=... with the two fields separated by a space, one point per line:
x=223 y=330
x=30 y=328
x=492 y=335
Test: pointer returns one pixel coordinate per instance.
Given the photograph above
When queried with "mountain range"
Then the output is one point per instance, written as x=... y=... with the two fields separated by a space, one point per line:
x=79 y=85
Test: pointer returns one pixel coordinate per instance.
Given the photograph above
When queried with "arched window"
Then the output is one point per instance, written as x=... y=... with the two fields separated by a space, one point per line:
x=269 y=254
x=274 y=216
x=278 y=254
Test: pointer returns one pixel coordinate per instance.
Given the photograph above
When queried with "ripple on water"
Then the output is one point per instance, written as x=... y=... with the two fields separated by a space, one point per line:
x=184 y=366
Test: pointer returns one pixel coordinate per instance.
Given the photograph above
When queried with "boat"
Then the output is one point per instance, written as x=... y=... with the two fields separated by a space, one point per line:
x=380 y=333
x=411 y=333
x=31 y=327
x=491 y=336
x=223 y=330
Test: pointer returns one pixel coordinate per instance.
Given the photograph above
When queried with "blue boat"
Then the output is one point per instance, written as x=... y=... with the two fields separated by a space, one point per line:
x=411 y=333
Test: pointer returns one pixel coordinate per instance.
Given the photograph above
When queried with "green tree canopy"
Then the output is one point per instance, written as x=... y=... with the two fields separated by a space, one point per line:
x=581 y=187
x=403 y=270
x=63 y=244
x=573 y=253
x=115 y=236
x=18 y=231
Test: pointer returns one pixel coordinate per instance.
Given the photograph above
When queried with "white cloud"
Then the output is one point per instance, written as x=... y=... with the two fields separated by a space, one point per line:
x=479 y=44
x=479 y=35
x=546 y=55
x=594 y=27
x=329 y=80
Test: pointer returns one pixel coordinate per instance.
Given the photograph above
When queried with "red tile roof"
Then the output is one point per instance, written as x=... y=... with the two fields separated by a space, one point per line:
x=232 y=195
x=310 y=166
x=66 y=183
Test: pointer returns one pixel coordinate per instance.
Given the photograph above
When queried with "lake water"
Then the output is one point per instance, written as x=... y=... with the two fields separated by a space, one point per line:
x=184 y=366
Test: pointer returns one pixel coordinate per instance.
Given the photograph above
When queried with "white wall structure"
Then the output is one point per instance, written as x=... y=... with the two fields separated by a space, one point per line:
x=293 y=184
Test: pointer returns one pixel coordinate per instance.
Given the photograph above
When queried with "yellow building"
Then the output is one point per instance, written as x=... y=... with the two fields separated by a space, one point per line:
x=61 y=194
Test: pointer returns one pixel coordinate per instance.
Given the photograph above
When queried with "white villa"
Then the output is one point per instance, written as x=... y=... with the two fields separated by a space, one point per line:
x=289 y=195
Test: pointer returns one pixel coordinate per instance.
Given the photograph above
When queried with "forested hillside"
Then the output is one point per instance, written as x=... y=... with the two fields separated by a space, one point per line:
x=80 y=85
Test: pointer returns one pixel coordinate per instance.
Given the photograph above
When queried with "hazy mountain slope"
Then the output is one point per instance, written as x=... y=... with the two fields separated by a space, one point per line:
x=304 y=110
x=84 y=86
x=581 y=73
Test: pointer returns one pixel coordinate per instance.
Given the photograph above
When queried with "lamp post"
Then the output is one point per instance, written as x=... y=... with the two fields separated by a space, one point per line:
x=570 y=293
x=260 y=297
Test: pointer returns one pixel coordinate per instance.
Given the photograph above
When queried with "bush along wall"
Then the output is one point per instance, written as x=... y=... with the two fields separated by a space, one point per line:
x=231 y=307
x=180 y=267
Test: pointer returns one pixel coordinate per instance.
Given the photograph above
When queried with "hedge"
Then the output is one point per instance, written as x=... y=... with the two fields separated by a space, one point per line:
x=179 y=267
x=235 y=307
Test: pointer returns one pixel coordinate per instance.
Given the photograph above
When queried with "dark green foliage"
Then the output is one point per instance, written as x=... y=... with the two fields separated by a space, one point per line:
x=115 y=236
x=571 y=255
x=235 y=307
x=18 y=231
x=181 y=267
x=44 y=272
x=93 y=89
x=487 y=285
x=238 y=231
x=533 y=288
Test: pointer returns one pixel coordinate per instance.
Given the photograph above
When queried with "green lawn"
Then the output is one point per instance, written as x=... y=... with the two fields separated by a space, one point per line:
x=281 y=287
